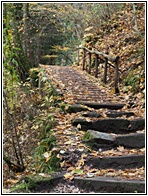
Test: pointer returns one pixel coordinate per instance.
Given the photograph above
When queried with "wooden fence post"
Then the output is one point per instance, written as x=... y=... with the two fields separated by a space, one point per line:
x=84 y=58
x=116 y=75
x=78 y=58
x=105 y=71
x=89 y=68
x=96 y=65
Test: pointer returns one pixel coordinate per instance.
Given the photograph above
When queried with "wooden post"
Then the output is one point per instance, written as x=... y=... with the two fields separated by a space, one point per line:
x=89 y=68
x=84 y=58
x=96 y=65
x=116 y=75
x=105 y=71
x=78 y=58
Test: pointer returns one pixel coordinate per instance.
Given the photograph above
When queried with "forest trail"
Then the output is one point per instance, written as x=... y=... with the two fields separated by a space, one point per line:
x=116 y=157
x=76 y=86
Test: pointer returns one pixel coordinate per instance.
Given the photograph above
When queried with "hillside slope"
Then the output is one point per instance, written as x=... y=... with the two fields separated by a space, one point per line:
x=118 y=37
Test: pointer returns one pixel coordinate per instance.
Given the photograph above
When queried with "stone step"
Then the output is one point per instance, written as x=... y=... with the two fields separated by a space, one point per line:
x=113 y=114
x=111 y=125
x=117 y=162
x=91 y=114
x=113 y=106
x=98 y=139
x=110 y=185
x=135 y=140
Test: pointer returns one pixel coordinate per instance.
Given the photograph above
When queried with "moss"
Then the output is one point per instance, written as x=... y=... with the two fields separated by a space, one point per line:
x=87 y=136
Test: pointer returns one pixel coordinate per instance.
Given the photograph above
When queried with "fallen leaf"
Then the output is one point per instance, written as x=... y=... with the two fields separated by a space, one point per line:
x=69 y=142
x=68 y=176
x=77 y=171
x=120 y=148
x=62 y=164
x=12 y=181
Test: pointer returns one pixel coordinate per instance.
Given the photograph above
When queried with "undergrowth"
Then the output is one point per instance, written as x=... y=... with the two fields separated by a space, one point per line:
x=33 y=105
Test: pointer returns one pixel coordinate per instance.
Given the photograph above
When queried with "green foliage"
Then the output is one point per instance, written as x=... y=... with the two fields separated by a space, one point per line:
x=14 y=56
x=26 y=184
x=32 y=107
x=40 y=162
x=34 y=72
x=29 y=182
x=87 y=136
x=47 y=143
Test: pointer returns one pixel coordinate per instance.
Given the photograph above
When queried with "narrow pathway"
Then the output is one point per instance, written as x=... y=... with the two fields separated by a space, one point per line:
x=117 y=158
x=77 y=86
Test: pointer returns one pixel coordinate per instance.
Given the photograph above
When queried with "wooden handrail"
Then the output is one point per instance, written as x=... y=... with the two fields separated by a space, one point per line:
x=112 y=59
x=107 y=58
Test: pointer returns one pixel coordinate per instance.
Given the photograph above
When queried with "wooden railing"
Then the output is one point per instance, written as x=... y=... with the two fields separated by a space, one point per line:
x=107 y=59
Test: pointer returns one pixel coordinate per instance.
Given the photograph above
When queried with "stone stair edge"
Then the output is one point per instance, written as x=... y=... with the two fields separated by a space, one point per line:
x=111 y=185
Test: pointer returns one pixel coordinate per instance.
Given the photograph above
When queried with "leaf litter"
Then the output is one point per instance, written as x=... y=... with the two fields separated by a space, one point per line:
x=69 y=139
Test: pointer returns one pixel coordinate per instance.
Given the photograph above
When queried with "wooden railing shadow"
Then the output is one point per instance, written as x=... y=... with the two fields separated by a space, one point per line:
x=106 y=59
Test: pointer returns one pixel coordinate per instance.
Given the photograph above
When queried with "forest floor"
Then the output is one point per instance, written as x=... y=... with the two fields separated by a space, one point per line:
x=73 y=151
x=76 y=85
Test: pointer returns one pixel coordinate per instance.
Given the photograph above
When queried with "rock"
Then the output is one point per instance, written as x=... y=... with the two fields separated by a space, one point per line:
x=112 y=106
x=101 y=137
x=76 y=108
x=135 y=140
x=91 y=115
